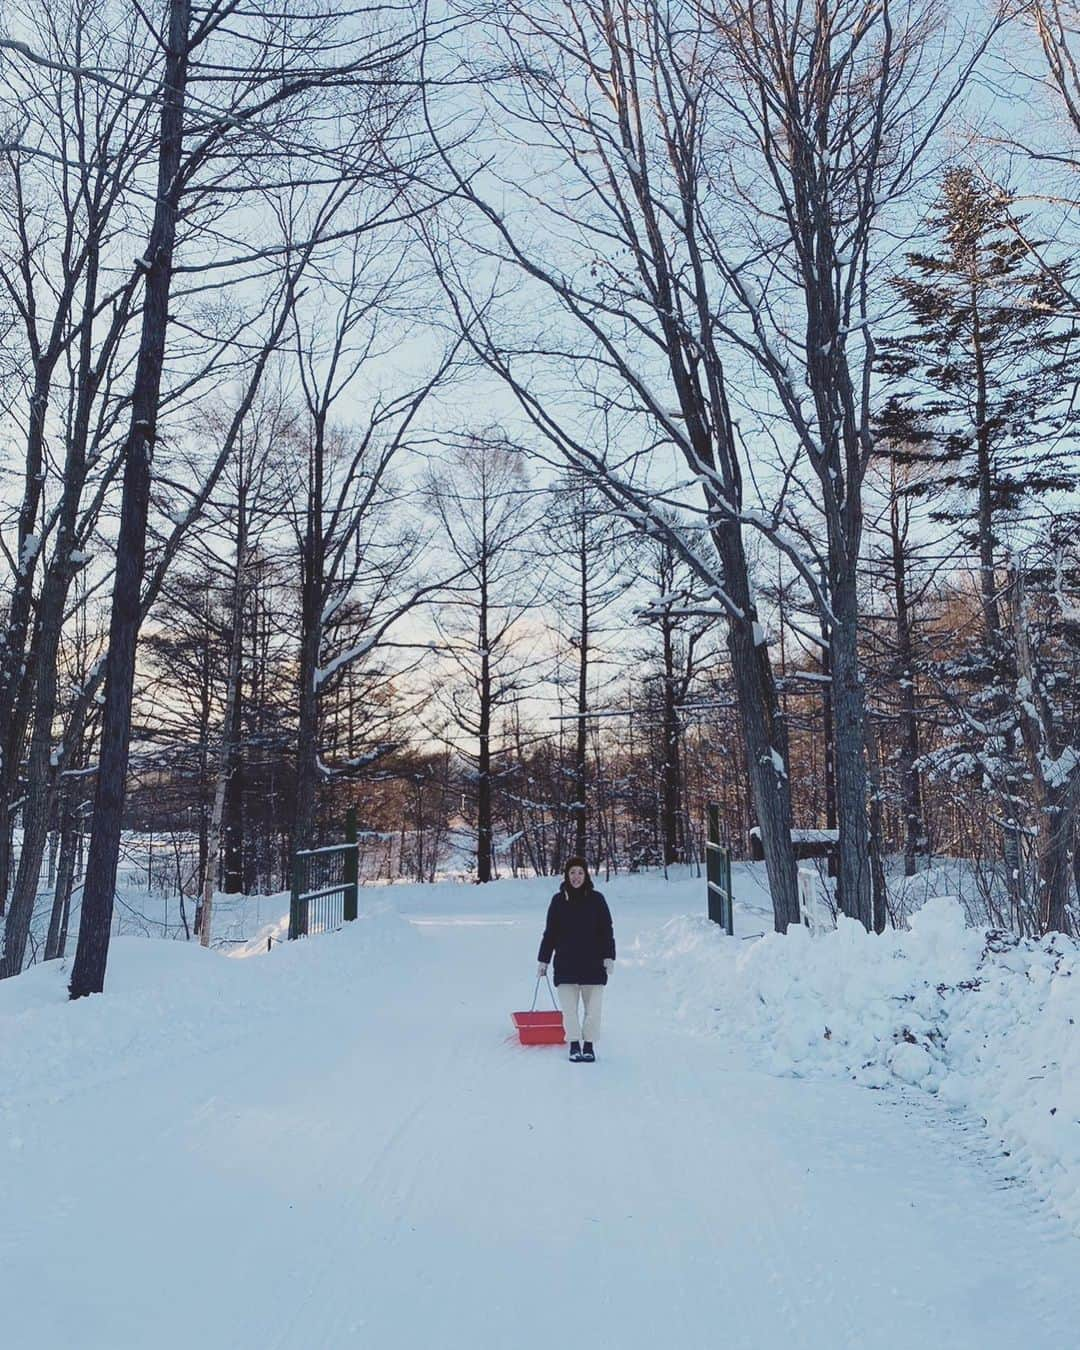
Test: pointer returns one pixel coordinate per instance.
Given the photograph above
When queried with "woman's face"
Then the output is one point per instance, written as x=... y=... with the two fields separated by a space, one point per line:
x=577 y=876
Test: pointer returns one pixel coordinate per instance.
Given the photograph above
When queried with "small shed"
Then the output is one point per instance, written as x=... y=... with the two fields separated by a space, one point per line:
x=807 y=843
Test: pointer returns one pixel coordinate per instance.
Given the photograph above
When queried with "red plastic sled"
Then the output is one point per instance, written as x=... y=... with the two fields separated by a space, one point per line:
x=540 y=1028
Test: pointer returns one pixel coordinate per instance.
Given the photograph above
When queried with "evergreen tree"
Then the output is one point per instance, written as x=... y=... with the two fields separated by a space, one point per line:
x=983 y=376
x=981 y=401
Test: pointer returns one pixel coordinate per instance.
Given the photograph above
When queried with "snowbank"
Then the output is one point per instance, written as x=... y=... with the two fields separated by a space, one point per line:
x=987 y=1022
x=168 y=1002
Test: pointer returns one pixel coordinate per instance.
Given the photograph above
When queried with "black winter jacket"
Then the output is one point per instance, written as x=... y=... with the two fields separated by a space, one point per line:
x=579 y=932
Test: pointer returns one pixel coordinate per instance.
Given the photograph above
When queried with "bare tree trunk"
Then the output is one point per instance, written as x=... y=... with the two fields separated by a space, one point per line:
x=853 y=891
x=7 y=837
x=877 y=833
x=1056 y=796
x=670 y=794
x=483 y=781
x=1055 y=871
x=307 y=761
x=828 y=732
x=227 y=747
x=36 y=814
x=313 y=581
x=11 y=784
x=88 y=974
x=581 y=741
x=65 y=875
x=910 y=786
x=46 y=761
x=14 y=674
x=1075 y=854
x=764 y=733
x=985 y=471
x=233 y=845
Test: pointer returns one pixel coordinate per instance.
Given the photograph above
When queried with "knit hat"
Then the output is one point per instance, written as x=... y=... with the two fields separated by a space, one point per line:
x=577 y=862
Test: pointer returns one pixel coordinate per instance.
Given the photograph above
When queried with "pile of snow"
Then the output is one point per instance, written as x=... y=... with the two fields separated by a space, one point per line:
x=986 y=1021
x=981 y=896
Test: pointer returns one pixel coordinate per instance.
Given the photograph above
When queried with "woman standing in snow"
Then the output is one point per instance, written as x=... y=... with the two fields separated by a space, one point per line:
x=579 y=932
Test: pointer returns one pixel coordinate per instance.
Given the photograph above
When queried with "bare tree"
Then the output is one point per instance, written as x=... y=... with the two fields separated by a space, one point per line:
x=903 y=571
x=260 y=80
x=834 y=109
x=684 y=649
x=589 y=544
x=484 y=504
x=47 y=758
x=74 y=148
x=359 y=553
x=256 y=498
x=616 y=265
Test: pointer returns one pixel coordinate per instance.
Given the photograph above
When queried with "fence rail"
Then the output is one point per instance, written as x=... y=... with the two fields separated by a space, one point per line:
x=325 y=886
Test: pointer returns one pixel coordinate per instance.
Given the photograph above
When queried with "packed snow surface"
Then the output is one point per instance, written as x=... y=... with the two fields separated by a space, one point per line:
x=340 y=1144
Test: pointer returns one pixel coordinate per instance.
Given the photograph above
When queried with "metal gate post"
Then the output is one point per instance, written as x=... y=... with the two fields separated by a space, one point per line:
x=349 y=901
x=721 y=902
x=713 y=876
x=294 y=901
x=729 y=895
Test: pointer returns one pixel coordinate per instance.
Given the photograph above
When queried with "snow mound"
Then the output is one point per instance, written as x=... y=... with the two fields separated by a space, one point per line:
x=986 y=1021
x=170 y=1001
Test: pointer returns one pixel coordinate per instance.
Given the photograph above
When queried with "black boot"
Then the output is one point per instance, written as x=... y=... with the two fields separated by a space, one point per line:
x=575 y=1051
x=587 y=1053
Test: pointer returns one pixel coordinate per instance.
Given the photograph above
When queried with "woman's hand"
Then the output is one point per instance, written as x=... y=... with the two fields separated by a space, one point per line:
x=541 y=971
x=609 y=964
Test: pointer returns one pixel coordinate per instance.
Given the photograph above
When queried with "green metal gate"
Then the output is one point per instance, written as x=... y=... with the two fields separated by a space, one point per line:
x=325 y=886
x=718 y=872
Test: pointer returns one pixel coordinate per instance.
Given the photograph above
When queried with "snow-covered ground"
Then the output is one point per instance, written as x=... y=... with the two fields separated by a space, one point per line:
x=340 y=1144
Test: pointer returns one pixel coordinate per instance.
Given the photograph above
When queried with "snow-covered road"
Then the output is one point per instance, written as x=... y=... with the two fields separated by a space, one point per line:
x=346 y=1149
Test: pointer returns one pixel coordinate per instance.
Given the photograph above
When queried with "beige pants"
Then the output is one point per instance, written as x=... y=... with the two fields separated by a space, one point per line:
x=592 y=996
